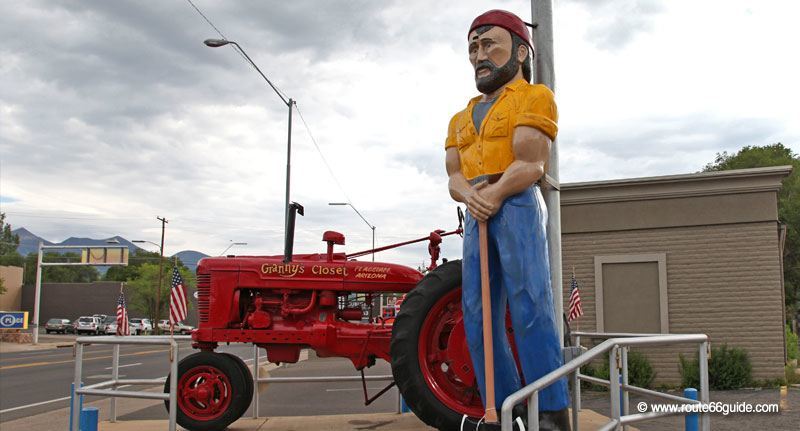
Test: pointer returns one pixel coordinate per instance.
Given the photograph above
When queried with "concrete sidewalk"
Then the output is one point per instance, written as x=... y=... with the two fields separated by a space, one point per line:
x=58 y=421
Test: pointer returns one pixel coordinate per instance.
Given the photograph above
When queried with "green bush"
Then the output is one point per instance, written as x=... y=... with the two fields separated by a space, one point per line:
x=728 y=368
x=640 y=372
x=791 y=344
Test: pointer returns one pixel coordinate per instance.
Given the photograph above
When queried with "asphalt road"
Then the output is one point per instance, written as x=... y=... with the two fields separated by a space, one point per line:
x=35 y=382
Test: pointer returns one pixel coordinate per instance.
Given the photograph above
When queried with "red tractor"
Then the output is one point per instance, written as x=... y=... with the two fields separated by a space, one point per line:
x=286 y=303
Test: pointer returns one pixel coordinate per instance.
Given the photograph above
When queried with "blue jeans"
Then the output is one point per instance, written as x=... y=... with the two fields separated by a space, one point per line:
x=519 y=273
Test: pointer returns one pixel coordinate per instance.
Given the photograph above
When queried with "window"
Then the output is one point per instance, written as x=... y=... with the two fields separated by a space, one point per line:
x=631 y=292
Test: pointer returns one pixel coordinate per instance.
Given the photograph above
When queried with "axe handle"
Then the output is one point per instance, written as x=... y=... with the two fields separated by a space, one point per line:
x=486 y=305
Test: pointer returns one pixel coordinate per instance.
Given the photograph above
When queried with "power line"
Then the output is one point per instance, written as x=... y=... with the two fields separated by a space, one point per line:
x=324 y=160
x=235 y=47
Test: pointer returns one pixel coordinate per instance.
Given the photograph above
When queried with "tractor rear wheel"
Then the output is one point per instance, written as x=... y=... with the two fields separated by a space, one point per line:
x=430 y=360
x=212 y=391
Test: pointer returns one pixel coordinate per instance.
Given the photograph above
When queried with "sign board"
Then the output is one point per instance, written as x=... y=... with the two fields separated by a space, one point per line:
x=105 y=255
x=13 y=320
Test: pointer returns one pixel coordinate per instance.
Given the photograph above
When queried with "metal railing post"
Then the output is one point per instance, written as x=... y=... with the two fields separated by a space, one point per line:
x=255 y=381
x=76 y=406
x=577 y=399
x=533 y=411
x=614 y=386
x=705 y=419
x=625 y=395
x=114 y=377
x=173 y=384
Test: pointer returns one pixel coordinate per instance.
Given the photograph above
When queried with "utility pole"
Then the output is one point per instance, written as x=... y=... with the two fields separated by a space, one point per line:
x=544 y=73
x=156 y=329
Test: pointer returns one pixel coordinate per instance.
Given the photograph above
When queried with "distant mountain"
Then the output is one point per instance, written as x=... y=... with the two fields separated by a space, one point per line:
x=190 y=258
x=28 y=242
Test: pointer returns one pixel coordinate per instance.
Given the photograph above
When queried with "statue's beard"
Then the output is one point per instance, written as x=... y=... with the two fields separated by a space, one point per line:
x=497 y=77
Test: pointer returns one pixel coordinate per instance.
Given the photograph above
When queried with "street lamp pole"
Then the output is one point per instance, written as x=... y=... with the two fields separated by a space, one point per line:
x=231 y=245
x=216 y=43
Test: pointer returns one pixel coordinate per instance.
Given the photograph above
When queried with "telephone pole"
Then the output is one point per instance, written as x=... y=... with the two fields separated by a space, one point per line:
x=156 y=329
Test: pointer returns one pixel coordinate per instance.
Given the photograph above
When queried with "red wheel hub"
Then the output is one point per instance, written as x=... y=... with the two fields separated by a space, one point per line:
x=444 y=359
x=204 y=393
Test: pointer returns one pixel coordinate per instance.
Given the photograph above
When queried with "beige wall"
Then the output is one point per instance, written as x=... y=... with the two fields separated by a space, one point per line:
x=12 y=280
x=723 y=281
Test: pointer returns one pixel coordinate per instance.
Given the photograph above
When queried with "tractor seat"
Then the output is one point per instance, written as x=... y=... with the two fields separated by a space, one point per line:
x=333 y=237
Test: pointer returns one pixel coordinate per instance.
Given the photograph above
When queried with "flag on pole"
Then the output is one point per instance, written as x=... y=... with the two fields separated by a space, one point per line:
x=575 y=309
x=177 y=298
x=122 y=316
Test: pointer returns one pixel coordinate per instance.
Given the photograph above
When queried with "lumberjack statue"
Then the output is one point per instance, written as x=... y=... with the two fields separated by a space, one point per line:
x=497 y=149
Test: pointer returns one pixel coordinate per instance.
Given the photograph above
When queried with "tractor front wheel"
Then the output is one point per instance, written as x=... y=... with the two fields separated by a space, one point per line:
x=213 y=391
x=430 y=360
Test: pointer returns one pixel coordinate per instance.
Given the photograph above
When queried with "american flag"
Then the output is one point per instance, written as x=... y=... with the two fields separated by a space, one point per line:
x=177 y=298
x=122 y=316
x=575 y=309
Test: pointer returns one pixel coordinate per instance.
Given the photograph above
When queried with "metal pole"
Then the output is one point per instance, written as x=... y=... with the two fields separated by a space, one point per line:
x=544 y=73
x=76 y=406
x=576 y=389
x=37 y=296
x=705 y=419
x=156 y=329
x=613 y=379
x=288 y=166
x=173 y=384
x=373 y=246
x=625 y=395
x=255 y=381
x=114 y=377
x=533 y=411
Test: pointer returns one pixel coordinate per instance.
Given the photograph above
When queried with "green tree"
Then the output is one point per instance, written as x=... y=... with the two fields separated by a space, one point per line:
x=59 y=274
x=8 y=248
x=144 y=287
x=788 y=206
x=131 y=271
x=8 y=241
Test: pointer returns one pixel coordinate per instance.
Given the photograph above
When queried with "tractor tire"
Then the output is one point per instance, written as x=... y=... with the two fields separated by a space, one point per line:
x=430 y=361
x=248 y=377
x=212 y=391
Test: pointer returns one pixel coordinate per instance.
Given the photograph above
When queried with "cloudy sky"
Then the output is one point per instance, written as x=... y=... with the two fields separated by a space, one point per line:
x=114 y=112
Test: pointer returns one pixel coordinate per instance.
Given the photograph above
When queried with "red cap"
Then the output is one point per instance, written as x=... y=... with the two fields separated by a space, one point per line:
x=505 y=19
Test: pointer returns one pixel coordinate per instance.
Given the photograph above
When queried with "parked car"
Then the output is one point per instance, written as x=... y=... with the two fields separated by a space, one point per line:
x=141 y=326
x=57 y=325
x=105 y=322
x=88 y=325
x=180 y=327
x=71 y=329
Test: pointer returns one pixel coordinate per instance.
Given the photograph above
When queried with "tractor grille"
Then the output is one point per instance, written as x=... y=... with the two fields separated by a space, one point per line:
x=203 y=296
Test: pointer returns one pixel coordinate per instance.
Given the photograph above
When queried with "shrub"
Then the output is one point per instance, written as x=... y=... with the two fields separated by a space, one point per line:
x=640 y=372
x=791 y=344
x=728 y=368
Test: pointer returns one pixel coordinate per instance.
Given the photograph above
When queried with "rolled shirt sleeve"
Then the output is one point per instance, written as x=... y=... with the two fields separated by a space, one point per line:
x=539 y=111
x=451 y=134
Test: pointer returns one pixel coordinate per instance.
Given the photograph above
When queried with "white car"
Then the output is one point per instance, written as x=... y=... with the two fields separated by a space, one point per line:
x=88 y=325
x=141 y=326
x=180 y=328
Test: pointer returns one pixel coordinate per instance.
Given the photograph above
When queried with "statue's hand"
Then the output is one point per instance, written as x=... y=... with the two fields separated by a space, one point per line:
x=477 y=204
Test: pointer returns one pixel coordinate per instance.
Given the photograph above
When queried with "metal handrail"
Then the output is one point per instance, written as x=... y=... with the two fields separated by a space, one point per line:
x=97 y=389
x=613 y=345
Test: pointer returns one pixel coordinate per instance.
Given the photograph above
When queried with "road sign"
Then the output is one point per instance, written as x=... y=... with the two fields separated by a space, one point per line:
x=13 y=320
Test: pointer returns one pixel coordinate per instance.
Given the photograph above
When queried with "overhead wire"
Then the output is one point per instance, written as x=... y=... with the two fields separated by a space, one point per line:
x=280 y=92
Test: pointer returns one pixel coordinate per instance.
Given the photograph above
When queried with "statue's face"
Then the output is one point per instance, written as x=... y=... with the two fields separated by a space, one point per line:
x=491 y=56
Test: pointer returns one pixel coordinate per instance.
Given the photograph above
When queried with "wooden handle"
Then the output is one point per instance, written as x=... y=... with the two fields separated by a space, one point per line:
x=486 y=305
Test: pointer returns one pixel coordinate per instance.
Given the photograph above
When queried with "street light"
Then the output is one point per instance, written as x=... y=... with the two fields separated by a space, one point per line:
x=160 y=278
x=216 y=43
x=371 y=226
x=231 y=245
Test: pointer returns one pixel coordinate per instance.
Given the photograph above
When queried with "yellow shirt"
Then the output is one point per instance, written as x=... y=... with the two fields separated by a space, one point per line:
x=490 y=151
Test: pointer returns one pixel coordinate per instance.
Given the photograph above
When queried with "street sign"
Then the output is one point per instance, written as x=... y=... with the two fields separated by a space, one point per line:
x=13 y=320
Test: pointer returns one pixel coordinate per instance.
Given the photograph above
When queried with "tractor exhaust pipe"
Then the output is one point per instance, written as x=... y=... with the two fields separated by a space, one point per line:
x=294 y=209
